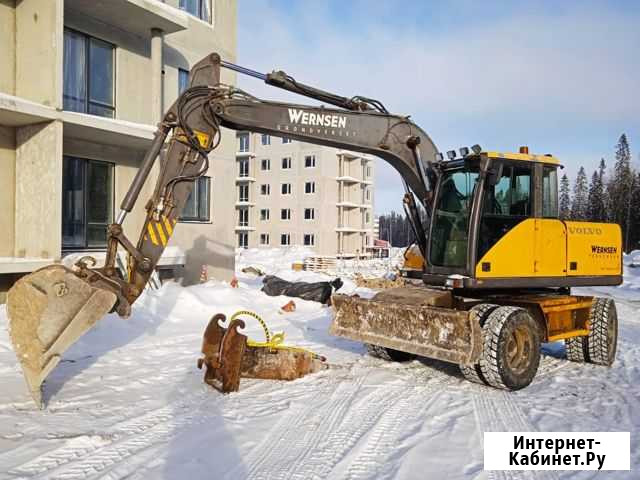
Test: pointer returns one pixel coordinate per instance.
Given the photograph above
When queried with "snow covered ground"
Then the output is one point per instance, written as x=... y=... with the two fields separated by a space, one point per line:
x=127 y=401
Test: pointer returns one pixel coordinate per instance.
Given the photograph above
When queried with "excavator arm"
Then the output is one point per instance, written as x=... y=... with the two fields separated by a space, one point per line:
x=51 y=308
x=195 y=119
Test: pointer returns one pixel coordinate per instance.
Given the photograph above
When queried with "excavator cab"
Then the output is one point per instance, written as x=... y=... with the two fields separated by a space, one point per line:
x=490 y=205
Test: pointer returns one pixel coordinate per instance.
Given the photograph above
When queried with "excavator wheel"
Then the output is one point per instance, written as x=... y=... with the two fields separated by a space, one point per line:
x=577 y=349
x=473 y=373
x=389 y=354
x=511 y=348
x=600 y=346
x=603 y=332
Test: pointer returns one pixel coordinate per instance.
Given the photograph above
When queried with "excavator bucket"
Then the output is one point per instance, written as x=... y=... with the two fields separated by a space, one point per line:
x=410 y=319
x=48 y=311
x=228 y=356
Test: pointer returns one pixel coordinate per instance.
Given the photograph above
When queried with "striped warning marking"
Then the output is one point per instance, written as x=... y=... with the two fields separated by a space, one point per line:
x=160 y=232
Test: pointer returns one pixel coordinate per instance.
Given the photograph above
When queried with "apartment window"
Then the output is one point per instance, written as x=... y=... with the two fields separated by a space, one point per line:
x=88 y=75
x=286 y=163
x=196 y=208
x=264 y=214
x=183 y=80
x=87 y=202
x=286 y=189
x=266 y=139
x=198 y=8
x=309 y=239
x=265 y=189
x=309 y=214
x=264 y=239
x=310 y=187
x=309 y=161
x=286 y=140
x=285 y=239
x=243 y=167
x=243 y=193
x=367 y=217
x=243 y=217
x=265 y=164
x=367 y=194
x=243 y=240
x=285 y=214
x=368 y=171
x=243 y=140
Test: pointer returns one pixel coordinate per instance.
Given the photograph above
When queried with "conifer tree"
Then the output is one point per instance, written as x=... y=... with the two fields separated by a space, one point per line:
x=596 y=205
x=565 y=198
x=620 y=186
x=579 y=205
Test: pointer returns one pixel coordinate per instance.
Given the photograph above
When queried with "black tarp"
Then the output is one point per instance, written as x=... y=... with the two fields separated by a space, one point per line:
x=316 y=291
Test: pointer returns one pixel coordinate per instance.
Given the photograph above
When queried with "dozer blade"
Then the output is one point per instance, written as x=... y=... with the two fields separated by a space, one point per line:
x=49 y=310
x=410 y=319
x=228 y=357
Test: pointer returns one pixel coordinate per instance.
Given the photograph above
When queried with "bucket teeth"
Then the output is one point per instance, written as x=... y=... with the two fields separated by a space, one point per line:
x=48 y=311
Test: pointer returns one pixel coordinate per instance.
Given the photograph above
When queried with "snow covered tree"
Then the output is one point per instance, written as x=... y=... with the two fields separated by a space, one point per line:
x=579 y=205
x=596 y=207
x=565 y=198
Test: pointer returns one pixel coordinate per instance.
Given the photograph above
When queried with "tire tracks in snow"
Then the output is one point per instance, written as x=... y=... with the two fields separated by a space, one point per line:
x=312 y=439
x=85 y=456
x=496 y=411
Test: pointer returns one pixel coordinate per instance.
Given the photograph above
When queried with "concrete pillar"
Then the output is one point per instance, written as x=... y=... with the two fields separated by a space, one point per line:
x=38 y=202
x=157 y=41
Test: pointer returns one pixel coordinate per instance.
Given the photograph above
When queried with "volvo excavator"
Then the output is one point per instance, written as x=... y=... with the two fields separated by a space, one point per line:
x=495 y=283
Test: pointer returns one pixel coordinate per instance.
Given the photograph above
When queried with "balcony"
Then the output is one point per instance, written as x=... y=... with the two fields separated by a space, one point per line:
x=245 y=154
x=242 y=179
x=347 y=204
x=245 y=203
x=135 y=16
x=347 y=179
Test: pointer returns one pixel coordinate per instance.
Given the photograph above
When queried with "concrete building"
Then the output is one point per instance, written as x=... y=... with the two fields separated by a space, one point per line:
x=82 y=85
x=295 y=193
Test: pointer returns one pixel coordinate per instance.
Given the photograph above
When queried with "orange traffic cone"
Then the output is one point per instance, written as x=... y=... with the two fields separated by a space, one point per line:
x=203 y=274
x=289 y=307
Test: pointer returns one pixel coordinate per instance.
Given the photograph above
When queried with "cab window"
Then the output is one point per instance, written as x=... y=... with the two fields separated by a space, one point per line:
x=505 y=205
x=549 y=192
x=449 y=235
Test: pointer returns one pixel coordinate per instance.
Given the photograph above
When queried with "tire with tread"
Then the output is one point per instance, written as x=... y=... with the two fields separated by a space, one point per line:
x=576 y=348
x=473 y=373
x=511 y=348
x=389 y=354
x=599 y=347
x=603 y=331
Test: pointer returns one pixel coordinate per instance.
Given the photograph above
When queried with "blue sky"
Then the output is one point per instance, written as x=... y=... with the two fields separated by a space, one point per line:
x=560 y=77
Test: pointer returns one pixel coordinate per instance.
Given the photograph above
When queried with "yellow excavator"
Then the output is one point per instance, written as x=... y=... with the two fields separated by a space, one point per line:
x=496 y=281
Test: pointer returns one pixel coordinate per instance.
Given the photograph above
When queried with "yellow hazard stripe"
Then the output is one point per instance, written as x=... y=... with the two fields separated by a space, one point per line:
x=163 y=237
x=168 y=226
x=152 y=234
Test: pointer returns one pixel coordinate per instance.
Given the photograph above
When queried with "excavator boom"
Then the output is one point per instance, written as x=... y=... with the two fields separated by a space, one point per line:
x=52 y=307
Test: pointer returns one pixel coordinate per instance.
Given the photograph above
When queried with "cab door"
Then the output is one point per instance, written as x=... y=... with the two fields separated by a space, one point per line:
x=506 y=240
x=550 y=232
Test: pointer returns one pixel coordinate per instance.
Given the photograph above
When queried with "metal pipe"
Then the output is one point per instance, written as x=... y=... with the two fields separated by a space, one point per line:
x=143 y=172
x=122 y=214
x=243 y=70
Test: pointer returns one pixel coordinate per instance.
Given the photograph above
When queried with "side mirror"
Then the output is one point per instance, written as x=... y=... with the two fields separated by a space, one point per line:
x=494 y=174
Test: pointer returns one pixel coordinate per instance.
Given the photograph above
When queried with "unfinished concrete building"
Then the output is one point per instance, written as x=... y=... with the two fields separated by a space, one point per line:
x=295 y=193
x=82 y=85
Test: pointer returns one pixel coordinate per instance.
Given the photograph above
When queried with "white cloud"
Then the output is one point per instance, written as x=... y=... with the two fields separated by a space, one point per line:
x=580 y=64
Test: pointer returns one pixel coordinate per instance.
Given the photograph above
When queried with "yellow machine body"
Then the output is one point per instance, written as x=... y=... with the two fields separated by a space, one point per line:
x=554 y=248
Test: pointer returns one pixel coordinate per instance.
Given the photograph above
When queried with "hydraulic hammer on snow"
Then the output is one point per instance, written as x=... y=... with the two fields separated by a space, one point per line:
x=498 y=263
